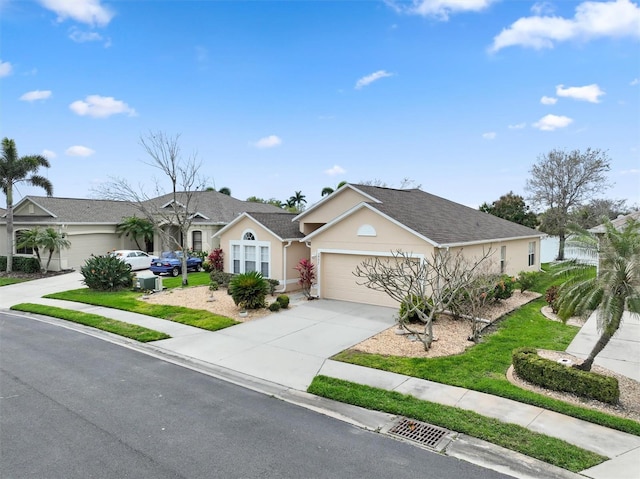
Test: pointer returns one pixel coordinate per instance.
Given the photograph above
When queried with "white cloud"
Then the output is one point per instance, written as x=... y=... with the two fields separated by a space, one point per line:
x=543 y=8
x=90 y=12
x=78 y=150
x=49 y=154
x=367 y=80
x=98 y=106
x=335 y=170
x=440 y=9
x=270 y=141
x=491 y=135
x=617 y=18
x=36 y=95
x=632 y=171
x=552 y=122
x=635 y=81
x=590 y=93
x=5 y=69
x=518 y=126
x=80 y=36
x=548 y=100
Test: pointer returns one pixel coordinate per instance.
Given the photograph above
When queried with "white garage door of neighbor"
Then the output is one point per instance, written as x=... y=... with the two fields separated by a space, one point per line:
x=338 y=281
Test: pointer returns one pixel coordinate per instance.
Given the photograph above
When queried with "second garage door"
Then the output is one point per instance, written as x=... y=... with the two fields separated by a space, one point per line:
x=338 y=282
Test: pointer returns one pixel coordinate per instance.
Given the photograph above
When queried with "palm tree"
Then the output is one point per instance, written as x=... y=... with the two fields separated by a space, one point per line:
x=613 y=290
x=297 y=201
x=29 y=239
x=13 y=170
x=51 y=241
x=327 y=190
x=137 y=228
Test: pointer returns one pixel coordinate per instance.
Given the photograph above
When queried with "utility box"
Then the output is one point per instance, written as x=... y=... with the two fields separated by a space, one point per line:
x=145 y=282
x=158 y=283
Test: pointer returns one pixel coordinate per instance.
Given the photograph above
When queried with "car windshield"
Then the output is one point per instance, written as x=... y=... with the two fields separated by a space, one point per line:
x=171 y=254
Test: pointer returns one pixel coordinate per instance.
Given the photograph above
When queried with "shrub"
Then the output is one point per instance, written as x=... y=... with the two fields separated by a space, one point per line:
x=527 y=280
x=306 y=270
x=220 y=277
x=558 y=377
x=551 y=297
x=26 y=264
x=283 y=301
x=216 y=260
x=274 y=307
x=504 y=288
x=107 y=273
x=198 y=254
x=249 y=289
x=273 y=284
x=213 y=286
x=410 y=304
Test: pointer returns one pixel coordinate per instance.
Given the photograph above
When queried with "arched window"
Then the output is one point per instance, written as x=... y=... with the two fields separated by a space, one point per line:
x=249 y=254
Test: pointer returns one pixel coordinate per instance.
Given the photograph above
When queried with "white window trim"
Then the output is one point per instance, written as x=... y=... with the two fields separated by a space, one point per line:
x=242 y=243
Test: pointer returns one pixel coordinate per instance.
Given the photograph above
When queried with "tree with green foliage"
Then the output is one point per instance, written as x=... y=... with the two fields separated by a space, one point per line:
x=561 y=181
x=136 y=227
x=613 y=290
x=513 y=208
x=297 y=201
x=48 y=239
x=327 y=190
x=13 y=170
x=592 y=214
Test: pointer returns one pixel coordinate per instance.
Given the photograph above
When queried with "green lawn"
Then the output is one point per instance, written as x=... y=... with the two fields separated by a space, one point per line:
x=483 y=367
x=8 y=281
x=127 y=330
x=195 y=279
x=129 y=301
x=511 y=436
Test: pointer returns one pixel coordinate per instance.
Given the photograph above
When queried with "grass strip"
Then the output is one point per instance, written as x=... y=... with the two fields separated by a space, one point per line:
x=511 y=436
x=132 y=331
x=129 y=301
x=195 y=279
x=8 y=281
x=483 y=367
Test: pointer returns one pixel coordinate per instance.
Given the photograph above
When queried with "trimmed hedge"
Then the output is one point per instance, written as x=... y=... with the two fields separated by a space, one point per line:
x=24 y=264
x=558 y=377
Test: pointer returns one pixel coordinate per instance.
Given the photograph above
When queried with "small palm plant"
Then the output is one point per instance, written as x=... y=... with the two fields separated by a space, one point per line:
x=613 y=290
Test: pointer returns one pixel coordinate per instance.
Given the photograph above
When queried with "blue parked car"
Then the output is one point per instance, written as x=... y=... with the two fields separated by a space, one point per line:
x=170 y=262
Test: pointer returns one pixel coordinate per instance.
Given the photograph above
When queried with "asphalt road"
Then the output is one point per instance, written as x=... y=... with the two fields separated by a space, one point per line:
x=74 y=406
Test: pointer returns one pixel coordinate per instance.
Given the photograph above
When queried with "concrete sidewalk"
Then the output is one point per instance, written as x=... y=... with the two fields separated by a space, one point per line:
x=290 y=348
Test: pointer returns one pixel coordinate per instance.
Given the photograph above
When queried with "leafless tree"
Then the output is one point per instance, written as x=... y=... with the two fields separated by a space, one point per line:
x=561 y=181
x=412 y=280
x=177 y=210
x=475 y=296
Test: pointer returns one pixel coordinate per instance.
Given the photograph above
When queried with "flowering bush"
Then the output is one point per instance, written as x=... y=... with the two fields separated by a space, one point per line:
x=107 y=273
x=215 y=260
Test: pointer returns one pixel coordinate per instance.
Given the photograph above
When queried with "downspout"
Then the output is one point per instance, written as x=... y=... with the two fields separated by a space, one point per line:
x=284 y=268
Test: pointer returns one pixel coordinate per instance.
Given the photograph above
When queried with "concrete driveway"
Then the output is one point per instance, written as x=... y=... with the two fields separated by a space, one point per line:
x=288 y=347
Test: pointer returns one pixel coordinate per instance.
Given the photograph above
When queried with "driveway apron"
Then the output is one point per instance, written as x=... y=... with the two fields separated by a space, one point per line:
x=288 y=347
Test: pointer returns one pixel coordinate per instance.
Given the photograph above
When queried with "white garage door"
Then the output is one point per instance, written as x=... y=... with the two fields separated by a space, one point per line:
x=338 y=282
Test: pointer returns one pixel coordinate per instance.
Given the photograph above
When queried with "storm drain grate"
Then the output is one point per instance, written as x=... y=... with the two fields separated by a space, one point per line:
x=423 y=433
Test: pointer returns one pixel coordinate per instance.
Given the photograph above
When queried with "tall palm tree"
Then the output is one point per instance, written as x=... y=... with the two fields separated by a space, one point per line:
x=298 y=200
x=613 y=290
x=136 y=227
x=14 y=170
x=51 y=241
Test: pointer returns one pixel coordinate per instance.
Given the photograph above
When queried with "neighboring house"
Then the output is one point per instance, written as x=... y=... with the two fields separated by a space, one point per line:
x=90 y=225
x=619 y=223
x=357 y=222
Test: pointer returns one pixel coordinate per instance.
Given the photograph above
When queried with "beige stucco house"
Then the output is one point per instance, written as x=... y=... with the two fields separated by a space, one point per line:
x=358 y=222
x=90 y=225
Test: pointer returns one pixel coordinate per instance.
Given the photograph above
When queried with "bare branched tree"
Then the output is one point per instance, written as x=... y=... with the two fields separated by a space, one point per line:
x=175 y=211
x=412 y=280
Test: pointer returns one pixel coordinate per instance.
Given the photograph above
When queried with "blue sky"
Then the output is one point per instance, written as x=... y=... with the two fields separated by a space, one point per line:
x=459 y=96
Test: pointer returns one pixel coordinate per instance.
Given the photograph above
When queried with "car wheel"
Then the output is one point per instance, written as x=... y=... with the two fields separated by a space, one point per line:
x=175 y=271
x=157 y=274
x=198 y=267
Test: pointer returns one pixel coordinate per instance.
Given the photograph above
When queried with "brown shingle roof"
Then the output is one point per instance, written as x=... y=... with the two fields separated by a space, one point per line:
x=442 y=221
x=280 y=224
